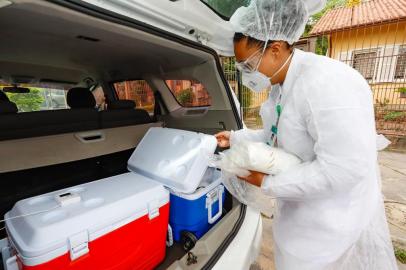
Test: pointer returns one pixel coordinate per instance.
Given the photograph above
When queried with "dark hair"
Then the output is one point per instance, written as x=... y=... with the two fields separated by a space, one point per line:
x=253 y=42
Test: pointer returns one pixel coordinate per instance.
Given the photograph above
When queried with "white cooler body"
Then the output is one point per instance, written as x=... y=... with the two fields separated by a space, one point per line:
x=98 y=225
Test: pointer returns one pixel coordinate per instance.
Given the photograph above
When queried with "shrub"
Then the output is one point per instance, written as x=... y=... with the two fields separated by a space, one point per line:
x=393 y=116
x=185 y=96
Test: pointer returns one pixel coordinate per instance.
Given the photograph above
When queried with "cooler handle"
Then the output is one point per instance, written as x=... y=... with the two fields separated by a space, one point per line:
x=211 y=198
x=169 y=241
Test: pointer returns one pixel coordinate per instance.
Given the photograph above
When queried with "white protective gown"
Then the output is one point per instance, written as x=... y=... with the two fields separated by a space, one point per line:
x=330 y=212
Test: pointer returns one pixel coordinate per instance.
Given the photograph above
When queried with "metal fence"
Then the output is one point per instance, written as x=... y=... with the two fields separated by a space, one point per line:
x=377 y=51
x=250 y=102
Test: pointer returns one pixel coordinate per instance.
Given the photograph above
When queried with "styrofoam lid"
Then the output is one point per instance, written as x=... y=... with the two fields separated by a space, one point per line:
x=176 y=158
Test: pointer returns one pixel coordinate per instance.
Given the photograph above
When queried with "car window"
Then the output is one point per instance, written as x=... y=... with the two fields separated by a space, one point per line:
x=37 y=97
x=225 y=8
x=137 y=90
x=189 y=93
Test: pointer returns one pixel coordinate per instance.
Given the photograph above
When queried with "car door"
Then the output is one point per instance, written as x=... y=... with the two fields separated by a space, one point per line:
x=203 y=21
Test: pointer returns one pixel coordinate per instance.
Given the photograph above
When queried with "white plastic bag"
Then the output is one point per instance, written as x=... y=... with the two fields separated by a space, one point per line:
x=252 y=156
x=255 y=156
x=249 y=194
x=381 y=142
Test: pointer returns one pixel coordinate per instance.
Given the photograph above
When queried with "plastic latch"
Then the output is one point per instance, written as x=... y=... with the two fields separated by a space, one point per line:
x=11 y=263
x=153 y=209
x=212 y=197
x=78 y=245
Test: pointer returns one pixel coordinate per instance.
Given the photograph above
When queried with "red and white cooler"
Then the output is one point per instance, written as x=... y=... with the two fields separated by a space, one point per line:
x=115 y=223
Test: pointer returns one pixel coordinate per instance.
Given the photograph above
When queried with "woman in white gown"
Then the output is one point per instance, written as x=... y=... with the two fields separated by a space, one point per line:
x=330 y=212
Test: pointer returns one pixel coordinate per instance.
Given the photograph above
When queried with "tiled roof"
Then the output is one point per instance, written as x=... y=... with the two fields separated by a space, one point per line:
x=370 y=12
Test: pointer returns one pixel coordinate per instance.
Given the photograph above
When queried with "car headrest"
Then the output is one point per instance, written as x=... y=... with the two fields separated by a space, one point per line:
x=7 y=107
x=121 y=104
x=3 y=96
x=80 y=97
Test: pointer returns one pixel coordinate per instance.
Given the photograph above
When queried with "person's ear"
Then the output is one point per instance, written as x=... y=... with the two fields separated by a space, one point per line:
x=275 y=48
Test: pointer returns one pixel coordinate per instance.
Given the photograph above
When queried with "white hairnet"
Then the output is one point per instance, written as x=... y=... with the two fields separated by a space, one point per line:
x=272 y=20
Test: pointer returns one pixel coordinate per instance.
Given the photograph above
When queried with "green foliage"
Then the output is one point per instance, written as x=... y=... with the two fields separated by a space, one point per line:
x=321 y=45
x=185 y=96
x=402 y=90
x=400 y=255
x=393 y=116
x=351 y=3
x=27 y=102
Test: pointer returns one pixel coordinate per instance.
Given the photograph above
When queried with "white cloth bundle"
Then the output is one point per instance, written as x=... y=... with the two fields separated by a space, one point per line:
x=255 y=156
x=252 y=156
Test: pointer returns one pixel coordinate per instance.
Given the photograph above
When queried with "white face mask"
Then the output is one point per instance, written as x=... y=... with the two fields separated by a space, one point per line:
x=257 y=81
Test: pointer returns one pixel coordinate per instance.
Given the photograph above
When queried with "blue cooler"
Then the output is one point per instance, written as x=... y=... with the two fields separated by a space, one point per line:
x=197 y=212
x=179 y=160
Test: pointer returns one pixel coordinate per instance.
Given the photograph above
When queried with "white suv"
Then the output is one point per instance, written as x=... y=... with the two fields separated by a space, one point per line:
x=121 y=47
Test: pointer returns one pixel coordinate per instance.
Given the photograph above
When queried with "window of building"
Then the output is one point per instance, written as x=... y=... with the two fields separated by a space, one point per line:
x=189 y=93
x=137 y=90
x=365 y=63
x=400 y=72
x=37 y=97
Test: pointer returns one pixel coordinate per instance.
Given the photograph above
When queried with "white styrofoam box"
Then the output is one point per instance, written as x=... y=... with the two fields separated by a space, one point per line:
x=104 y=206
x=176 y=158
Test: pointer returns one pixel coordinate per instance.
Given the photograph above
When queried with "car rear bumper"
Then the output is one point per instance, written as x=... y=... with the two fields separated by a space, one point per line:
x=245 y=247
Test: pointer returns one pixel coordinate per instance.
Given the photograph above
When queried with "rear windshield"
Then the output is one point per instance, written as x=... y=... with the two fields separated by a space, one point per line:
x=37 y=97
x=225 y=8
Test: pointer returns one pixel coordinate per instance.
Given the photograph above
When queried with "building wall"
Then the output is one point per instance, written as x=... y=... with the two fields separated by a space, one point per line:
x=385 y=40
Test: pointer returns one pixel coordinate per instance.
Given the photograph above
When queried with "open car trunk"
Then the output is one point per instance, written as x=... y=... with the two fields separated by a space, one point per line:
x=58 y=41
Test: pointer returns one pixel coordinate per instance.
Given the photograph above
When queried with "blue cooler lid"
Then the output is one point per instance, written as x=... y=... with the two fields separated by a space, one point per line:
x=175 y=158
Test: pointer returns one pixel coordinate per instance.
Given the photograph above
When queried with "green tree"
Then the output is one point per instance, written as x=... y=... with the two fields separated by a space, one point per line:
x=185 y=96
x=351 y=3
x=27 y=102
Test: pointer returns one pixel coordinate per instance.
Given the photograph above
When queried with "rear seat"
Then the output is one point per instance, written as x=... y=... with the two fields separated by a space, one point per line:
x=123 y=113
x=6 y=106
x=81 y=117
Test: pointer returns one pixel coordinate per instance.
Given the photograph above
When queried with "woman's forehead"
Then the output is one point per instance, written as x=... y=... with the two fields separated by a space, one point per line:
x=243 y=50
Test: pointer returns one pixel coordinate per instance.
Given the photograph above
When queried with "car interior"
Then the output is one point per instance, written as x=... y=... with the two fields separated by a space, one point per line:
x=43 y=151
